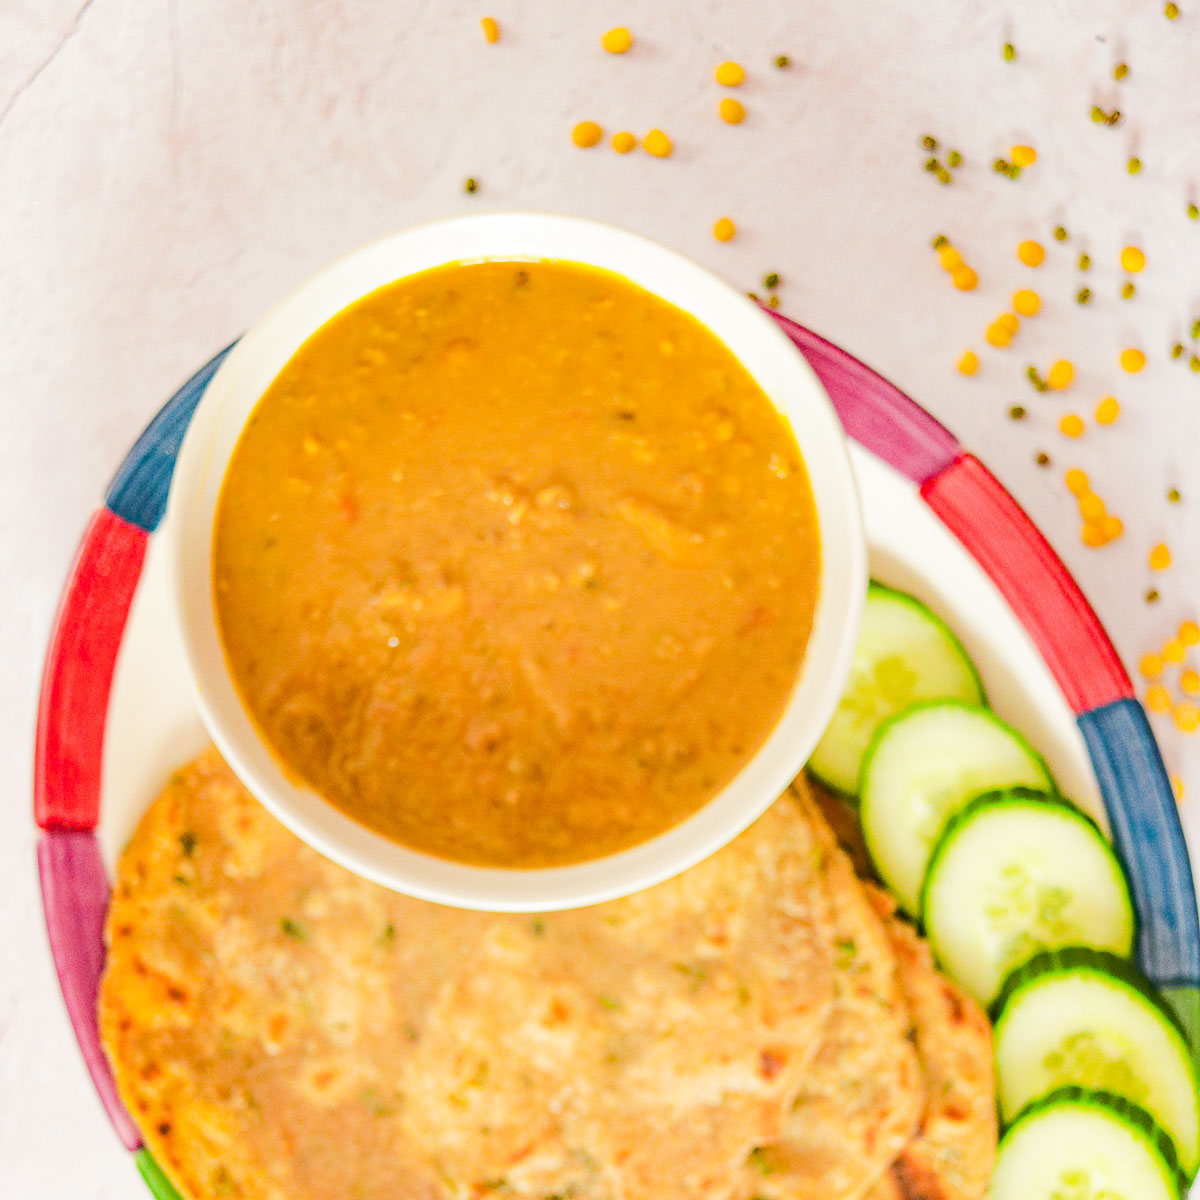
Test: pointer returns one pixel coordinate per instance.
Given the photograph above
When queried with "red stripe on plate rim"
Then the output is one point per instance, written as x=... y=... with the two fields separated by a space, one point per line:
x=77 y=677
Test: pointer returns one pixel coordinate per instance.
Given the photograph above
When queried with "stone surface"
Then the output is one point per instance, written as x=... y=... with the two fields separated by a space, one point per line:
x=170 y=169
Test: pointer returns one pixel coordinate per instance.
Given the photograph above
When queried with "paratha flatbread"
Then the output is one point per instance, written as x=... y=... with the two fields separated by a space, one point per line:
x=952 y=1155
x=861 y=1099
x=281 y=1029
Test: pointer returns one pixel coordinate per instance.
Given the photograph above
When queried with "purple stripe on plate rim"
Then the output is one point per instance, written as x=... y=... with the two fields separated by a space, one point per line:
x=875 y=413
x=75 y=900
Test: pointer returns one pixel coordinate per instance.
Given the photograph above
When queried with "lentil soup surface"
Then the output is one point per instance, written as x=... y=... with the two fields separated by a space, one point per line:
x=515 y=563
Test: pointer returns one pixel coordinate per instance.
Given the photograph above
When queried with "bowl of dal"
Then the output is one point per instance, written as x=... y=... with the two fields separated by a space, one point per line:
x=518 y=562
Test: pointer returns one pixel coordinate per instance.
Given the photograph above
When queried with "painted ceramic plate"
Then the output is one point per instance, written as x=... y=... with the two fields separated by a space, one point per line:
x=117 y=716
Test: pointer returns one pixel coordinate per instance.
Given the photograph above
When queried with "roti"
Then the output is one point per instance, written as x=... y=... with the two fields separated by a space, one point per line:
x=952 y=1154
x=762 y=1025
x=281 y=1029
x=860 y=1102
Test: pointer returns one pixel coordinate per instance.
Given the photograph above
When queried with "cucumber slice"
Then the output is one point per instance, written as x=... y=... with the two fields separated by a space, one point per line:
x=1016 y=873
x=904 y=654
x=1086 y=1018
x=922 y=767
x=1080 y=1145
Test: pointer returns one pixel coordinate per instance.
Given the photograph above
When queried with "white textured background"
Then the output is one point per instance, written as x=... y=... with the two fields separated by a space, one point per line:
x=169 y=168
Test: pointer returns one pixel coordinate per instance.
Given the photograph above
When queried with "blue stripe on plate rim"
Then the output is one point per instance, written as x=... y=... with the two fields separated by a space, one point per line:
x=1149 y=840
x=138 y=492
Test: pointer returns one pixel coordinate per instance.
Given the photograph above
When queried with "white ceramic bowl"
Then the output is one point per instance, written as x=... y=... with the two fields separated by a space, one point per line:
x=765 y=352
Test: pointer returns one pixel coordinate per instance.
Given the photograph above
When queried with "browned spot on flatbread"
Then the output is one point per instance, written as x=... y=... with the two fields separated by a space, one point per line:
x=915 y=1180
x=955 y=1007
x=770 y=1063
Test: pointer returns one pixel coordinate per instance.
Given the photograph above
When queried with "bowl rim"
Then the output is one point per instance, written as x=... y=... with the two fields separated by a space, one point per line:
x=756 y=341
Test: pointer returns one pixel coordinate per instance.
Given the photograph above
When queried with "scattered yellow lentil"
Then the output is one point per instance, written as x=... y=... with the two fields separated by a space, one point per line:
x=1031 y=253
x=1193 y=212
x=1061 y=375
x=1023 y=156
x=1027 y=302
x=1177 y=788
x=1171 y=12
x=724 y=230
x=657 y=143
x=1112 y=528
x=732 y=111
x=1187 y=717
x=1160 y=557
x=1132 y=259
x=586 y=134
x=623 y=142
x=1091 y=508
x=1174 y=651
x=949 y=257
x=1107 y=411
x=964 y=278
x=1151 y=666
x=1189 y=681
x=1189 y=633
x=968 y=364
x=1128 y=290
x=1132 y=360
x=1076 y=481
x=491 y=30
x=996 y=335
x=1158 y=699
x=1071 y=425
x=618 y=40
x=1120 y=71
x=729 y=74
x=1134 y=166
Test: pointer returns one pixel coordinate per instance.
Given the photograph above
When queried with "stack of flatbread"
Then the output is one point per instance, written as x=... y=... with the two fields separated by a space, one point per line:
x=763 y=1025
